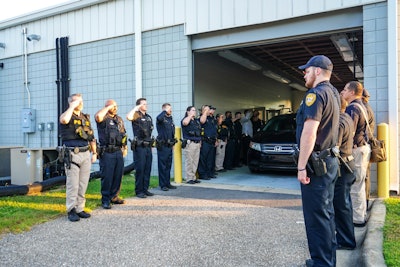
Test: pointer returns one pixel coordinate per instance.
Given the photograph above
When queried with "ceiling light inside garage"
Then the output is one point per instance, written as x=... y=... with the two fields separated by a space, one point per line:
x=356 y=68
x=275 y=76
x=342 y=44
x=298 y=87
x=228 y=54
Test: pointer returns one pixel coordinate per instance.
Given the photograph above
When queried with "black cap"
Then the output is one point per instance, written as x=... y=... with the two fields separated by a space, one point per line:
x=211 y=107
x=319 y=61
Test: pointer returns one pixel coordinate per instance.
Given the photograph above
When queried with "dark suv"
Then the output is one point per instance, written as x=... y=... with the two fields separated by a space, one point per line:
x=273 y=146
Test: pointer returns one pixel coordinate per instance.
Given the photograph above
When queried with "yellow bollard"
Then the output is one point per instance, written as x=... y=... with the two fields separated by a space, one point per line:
x=178 y=157
x=383 y=167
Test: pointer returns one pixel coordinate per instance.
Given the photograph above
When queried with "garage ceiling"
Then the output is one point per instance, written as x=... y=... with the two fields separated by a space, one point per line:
x=287 y=56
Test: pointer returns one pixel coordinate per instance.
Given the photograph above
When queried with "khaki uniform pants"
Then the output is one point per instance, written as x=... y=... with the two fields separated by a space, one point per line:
x=358 y=198
x=77 y=181
x=220 y=155
x=192 y=155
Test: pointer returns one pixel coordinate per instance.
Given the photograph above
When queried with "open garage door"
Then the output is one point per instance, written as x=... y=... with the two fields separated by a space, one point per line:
x=235 y=70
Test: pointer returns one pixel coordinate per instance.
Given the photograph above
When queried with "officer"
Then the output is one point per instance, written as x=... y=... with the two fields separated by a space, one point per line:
x=209 y=142
x=113 y=140
x=237 y=125
x=230 y=144
x=342 y=200
x=352 y=92
x=165 y=141
x=77 y=134
x=316 y=133
x=222 y=137
x=191 y=133
x=142 y=126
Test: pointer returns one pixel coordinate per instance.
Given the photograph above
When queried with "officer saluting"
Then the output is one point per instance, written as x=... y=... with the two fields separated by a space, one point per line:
x=142 y=126
x=112 y=138
x=165 y=142
x=316 y=134
x=76 y=134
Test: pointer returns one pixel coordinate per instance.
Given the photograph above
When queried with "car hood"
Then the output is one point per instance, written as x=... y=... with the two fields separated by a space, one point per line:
x=275 y=137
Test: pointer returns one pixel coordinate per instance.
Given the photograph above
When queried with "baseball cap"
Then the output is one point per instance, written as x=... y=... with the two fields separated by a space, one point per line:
x=319 y=61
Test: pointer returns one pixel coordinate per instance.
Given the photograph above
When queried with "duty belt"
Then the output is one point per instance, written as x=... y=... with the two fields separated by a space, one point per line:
x=111 y=149
x=78 y=149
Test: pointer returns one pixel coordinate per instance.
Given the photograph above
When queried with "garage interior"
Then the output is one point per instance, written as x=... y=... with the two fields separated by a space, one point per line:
x=265 y=76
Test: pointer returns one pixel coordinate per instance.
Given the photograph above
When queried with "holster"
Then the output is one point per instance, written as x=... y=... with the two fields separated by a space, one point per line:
x=184 y=143
x=318 y=162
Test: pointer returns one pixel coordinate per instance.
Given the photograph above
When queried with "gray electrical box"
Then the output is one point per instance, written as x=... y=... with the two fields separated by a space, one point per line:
x=28 y=116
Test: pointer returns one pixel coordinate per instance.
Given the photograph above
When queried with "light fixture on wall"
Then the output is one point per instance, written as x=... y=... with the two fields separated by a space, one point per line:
x=275 y=76
x=229 y=55
x=342 y=44
x=2 y=45
x=32 y=37
x=298 y=87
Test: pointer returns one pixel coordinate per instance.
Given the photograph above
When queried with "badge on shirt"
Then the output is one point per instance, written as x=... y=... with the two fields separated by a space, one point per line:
x=310 y=99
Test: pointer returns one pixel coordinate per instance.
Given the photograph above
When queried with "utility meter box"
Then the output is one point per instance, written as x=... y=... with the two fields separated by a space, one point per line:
x=28 y=116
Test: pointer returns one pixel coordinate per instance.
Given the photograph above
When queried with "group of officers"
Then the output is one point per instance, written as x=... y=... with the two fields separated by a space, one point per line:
x=80 y=149
x=333 y=181
x=332 y=134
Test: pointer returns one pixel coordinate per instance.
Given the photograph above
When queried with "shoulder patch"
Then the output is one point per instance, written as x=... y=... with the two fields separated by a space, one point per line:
x=310 y=99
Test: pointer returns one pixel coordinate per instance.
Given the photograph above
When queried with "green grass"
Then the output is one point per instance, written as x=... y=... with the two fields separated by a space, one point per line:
x=391 y=233
x=20 y=213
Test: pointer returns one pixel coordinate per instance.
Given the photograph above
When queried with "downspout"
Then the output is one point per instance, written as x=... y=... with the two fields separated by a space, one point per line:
x=393 y=95
x=24 y=32
x=138 y=47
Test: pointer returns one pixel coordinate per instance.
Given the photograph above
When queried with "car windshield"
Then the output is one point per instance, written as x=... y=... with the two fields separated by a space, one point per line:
x=280 y=124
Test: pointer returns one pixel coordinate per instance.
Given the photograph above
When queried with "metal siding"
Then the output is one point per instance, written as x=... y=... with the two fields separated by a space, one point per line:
x=94 y=23
x=180 y=10
x=269 y=10
x=169 y=14
x=158 y=13
x=255 y=14
x=285 y=9
x=78 y=36
x=227 y=11
x=316 y=6
x=111 y=15
x=125 y=8
x=300 y=8
x=216 y=14
x=203 y=13
x=240 y=12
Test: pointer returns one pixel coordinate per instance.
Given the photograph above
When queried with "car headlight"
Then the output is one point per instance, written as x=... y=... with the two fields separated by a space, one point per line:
x=255 y=146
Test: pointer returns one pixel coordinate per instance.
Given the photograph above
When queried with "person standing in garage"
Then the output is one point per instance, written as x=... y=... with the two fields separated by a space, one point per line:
x=237 y=125
x=316 y=134
x=230 y=144
x=247 y=133
x=222 y=137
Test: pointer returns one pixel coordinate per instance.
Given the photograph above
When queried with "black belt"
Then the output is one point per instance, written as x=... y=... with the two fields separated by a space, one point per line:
x=78 y=149
x=194 y=141
x=111 y=149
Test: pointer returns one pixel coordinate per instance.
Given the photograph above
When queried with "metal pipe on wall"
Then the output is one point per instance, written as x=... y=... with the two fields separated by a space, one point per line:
x=24 y=34
x=138 y=47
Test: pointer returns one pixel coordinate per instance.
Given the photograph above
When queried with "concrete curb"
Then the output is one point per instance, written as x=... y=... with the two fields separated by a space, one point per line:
x=372 y=250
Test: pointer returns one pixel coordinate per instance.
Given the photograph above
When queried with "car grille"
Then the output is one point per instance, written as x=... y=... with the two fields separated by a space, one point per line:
x=277 y=148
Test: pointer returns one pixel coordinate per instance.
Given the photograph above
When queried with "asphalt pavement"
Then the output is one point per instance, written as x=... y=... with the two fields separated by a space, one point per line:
x=215 y=223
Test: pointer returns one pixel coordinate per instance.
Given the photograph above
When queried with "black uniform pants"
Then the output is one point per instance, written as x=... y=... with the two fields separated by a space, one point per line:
x=164 y=158
x=207 y=160
x=229 y=154
x=245 y=147
x=319 y=215
x=142 y=158
x=111 y=168
x=344 y=209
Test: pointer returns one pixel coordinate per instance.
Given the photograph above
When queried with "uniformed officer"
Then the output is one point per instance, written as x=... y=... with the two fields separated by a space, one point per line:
x=77 y=134
x=230 y=143
x=142 y=126
x=222 y=138
x=209 y=141
x=342 y=200
x=191 y=134
x=316 y=133
x=238 y=139
x=165 y=141
x=352 y=92
x=113 y=140
x=247 y=133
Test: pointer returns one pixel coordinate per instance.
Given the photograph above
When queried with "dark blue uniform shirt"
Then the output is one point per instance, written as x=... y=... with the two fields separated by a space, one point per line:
x=359 y=122
x=321 y=103
x=165 y=127
x=192 y=131
x=210 y=127
x=142 y=126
